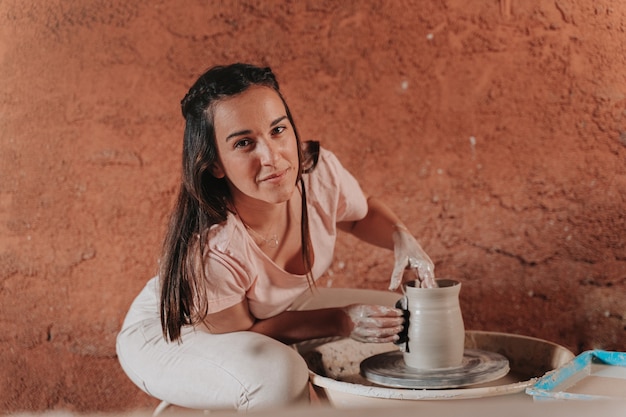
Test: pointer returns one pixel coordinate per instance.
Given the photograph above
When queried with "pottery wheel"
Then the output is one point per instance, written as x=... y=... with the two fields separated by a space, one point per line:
x=478 y=366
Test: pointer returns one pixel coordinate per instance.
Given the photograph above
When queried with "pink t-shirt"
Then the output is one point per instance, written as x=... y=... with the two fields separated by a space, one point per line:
x=237 y=269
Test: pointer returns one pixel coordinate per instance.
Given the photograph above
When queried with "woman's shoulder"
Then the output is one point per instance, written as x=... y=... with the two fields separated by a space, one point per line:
x=223 y=235
x=328 y=171
x=327 y=162
x=335 y=189
x=229 y=249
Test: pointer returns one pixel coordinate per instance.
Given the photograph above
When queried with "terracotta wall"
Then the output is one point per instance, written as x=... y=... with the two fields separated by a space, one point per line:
x=496 y=129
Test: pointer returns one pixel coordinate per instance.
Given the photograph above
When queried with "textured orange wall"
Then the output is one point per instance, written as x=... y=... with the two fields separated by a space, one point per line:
x=496 y=130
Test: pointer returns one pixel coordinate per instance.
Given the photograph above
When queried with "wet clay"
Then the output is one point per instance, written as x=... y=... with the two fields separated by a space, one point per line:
x=433 y=350
x=436 y=331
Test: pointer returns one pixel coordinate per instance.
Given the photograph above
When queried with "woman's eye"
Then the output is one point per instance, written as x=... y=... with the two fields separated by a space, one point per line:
x=242 y=143
x=278 y=130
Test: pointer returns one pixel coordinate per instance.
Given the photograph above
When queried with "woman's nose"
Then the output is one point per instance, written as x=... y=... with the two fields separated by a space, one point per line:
x=268 y=152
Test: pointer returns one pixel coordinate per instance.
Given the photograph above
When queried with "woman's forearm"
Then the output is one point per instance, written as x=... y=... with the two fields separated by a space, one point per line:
x=297 y=326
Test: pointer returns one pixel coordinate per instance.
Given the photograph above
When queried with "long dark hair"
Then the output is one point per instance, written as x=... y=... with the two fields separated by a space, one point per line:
x=204 y=200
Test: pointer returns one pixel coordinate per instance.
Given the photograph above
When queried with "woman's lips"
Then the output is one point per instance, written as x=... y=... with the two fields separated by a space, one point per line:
x=274 y=176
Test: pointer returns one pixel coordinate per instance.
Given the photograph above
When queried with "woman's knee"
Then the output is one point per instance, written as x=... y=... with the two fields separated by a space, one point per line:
x=282 y=379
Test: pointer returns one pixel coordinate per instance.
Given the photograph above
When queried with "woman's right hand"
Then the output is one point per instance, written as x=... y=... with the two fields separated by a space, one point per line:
x=410 y=257
x=374 y=323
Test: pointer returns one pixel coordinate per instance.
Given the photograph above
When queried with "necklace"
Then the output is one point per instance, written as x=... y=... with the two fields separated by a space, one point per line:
x=271 y=242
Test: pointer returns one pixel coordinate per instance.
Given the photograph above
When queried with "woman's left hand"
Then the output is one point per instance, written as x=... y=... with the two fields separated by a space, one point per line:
x=410 y=256
x=374 y=323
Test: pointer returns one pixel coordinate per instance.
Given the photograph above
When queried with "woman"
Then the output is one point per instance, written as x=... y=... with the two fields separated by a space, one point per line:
x=254 y=227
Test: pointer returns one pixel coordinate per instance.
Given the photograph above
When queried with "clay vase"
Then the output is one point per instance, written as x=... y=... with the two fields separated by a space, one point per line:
x=436 y=333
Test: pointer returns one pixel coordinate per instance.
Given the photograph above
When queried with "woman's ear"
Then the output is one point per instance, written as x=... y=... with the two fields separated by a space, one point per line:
x=217 y=171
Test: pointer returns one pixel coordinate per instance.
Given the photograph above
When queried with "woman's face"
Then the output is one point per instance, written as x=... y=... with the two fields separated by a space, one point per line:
x=257 y=147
